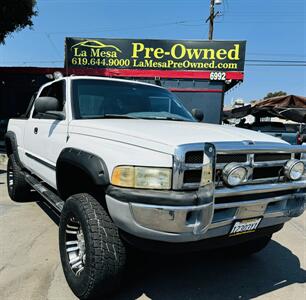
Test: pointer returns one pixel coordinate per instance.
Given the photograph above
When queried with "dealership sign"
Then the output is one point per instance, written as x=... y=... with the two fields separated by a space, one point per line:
x=155 y=54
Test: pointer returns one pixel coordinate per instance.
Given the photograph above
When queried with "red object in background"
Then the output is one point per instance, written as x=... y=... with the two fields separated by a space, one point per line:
x=299 y=139
x=152 y=73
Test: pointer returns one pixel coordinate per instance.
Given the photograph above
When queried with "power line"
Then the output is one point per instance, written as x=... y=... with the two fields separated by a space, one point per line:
x=111 y=29
x=276 y=61
x=53 y=45
x=276 y=54
x=277 y=65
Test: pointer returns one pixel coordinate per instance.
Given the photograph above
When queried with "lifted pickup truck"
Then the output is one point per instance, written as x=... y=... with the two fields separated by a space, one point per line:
x=124 y=163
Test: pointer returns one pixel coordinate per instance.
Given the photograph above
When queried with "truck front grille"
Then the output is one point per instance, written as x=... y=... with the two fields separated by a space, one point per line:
x=194 y=157
x=192 y=176
x=228 y=158
x=271 y=157
x=268 y=172
x=263 y=166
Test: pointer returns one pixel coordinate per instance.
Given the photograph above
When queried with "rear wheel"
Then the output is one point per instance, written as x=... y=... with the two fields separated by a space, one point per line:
x=92 y=253
x=18 y=189
x=250 y=247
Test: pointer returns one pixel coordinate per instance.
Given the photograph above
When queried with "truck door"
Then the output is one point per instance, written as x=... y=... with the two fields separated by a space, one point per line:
x=46 y=137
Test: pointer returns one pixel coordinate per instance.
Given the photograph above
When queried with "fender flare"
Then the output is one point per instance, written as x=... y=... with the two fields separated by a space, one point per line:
x=12 y=148
x=91 y=164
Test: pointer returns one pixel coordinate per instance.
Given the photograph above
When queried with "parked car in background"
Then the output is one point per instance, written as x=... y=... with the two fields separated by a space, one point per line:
x=290 y=132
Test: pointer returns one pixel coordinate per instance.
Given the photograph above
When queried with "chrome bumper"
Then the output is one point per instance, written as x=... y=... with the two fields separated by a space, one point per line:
x=192 y=223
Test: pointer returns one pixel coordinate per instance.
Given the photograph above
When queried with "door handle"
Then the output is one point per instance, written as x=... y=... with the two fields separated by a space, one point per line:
x=35 y=130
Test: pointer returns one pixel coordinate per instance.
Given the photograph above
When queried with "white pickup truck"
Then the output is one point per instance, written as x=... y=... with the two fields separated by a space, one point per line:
x=124 y=163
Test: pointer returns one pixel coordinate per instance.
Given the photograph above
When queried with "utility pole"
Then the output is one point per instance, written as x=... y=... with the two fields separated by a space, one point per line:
x=212 y=16
x=211 y=19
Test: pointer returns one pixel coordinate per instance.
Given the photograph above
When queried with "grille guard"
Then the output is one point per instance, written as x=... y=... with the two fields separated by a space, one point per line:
x=245 y=147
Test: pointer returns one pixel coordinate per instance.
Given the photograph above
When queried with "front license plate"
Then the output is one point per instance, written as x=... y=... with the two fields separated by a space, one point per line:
x=245 y=226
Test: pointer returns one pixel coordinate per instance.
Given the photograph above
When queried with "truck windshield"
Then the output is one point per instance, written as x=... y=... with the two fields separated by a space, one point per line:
x=94 y=99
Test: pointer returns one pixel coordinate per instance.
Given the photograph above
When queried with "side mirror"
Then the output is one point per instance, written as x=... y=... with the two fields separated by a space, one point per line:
x=44 y=104
x=50 y=106
x=197 y=114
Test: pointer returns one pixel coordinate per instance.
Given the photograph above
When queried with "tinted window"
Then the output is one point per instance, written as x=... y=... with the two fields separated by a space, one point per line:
x=55 y=90
x=102 y=98
x=29 y=109
x=292 y=127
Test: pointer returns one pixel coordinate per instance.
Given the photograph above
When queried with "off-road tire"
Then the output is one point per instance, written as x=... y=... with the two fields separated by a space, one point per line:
x=250 y=247
x=18 y=189
x=105 y=252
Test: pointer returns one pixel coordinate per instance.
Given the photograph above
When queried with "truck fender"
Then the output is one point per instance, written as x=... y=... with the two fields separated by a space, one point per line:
x=93 y=166
x=11 y=146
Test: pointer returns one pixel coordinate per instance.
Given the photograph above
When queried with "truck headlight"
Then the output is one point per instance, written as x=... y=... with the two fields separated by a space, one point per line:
x=234 y=174
x=142 y=177
x=294 y=169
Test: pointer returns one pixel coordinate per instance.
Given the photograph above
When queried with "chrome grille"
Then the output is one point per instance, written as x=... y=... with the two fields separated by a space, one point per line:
x=194 y=157
x=271 y=157
x=192 y=176
x=228 y=158
x=188 y=164
x=268 y=172
x=264 y=161
x=260 y=169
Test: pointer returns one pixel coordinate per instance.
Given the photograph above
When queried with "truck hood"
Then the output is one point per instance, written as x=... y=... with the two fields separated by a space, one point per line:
x=162 y=135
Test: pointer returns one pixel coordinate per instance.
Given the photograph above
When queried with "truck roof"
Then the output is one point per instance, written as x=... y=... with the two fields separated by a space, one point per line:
x=106 y=78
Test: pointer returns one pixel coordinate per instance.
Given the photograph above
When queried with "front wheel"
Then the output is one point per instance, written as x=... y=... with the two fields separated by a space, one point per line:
x=92 y=253
x=18 y=189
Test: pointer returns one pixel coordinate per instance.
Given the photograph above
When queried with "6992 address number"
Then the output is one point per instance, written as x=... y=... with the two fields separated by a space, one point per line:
x=217 y=76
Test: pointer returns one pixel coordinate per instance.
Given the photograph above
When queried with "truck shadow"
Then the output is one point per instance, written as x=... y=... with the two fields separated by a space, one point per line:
x=211 y=275
x=206 y=275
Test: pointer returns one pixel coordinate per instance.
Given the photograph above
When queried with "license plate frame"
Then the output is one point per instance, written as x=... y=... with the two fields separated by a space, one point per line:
x=245 y=226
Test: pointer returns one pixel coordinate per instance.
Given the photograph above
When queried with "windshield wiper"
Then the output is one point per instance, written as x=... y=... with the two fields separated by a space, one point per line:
x=113 y=116
x=164 y=118
x=118 y=116
x=175 y=119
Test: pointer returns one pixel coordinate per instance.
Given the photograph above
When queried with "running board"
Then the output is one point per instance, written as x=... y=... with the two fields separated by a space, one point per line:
x=55 y=201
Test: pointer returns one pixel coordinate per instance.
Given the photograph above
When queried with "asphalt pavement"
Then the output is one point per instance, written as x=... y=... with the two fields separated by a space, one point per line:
x=30 y=266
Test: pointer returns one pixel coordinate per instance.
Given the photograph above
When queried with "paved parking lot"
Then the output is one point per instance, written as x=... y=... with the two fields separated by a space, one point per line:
x=30 y=267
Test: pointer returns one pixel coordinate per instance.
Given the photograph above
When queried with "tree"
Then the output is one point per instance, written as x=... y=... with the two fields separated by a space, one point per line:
x=15 y=15
x=275 y=94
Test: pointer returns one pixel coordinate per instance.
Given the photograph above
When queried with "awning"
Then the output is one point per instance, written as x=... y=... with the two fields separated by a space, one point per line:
x=290 y=107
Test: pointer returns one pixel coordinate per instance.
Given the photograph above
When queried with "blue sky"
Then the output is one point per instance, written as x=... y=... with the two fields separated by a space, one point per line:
x=274 y=30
